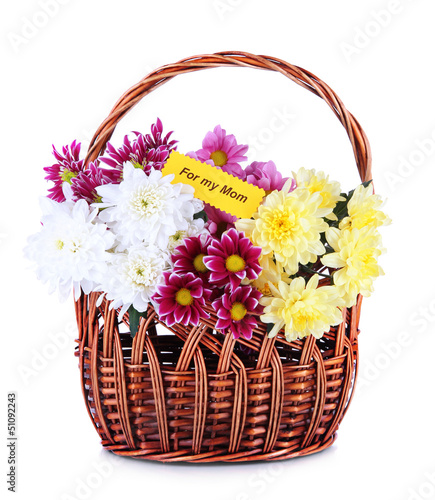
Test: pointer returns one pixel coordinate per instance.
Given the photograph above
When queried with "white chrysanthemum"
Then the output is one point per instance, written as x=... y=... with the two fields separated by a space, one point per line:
x=145 y=208
x=194 y=228
x=198 y=205
x=71 y=248
x=133 y=276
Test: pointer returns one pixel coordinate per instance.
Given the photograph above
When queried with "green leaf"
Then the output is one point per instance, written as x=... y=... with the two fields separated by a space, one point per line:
x=340 y=209
x=201 y=215
x=269 y=327
x=134 y=319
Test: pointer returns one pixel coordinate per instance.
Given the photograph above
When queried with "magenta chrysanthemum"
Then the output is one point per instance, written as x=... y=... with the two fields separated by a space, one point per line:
x=232 y=259
x=84 y=185
x=67 y=167
x=181 y=299
x=189 y=257
x=144 y=151
x=237 y=310
x=218 y=220
x=156 y=138
x=266 y=176
x=224 y=151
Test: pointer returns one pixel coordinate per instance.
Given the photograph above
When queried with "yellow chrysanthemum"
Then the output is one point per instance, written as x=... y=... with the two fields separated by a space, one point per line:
x=302 y=309
x=355 y=257
x=318 y=182
x=271 y=273
x=363 y=209
x=287 y=226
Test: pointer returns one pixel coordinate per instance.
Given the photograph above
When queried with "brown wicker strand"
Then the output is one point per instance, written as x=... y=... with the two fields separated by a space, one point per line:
x=151 y=82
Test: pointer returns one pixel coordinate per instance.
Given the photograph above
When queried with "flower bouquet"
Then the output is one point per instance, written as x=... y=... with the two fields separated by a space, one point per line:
x=217 y=302
x=120 y=227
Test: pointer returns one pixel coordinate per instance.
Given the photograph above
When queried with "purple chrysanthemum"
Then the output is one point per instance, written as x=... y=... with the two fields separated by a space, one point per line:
x=189 y=257
x=232 y=259
x=84 y=185
x=181 y=299
x=67 y=167
x=266 y=176
x=224 y=151
x=237 y=310
x=144 y=151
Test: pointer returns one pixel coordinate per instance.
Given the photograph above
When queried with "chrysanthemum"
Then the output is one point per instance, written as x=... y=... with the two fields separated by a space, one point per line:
x=70 y=251
x=189 y=256
x=194 y=228
x=271 y=272
x=218 y=220
x=266 y=176
x=67 y=167
x=145 y=208
x=288 y=226
x=363 y=209
x=224 y=151
x=181 y=299
x=85 y=183
x=237 y=310
x=302 y=309
x=232 y=259
x=133 y=277
x=144 y=151
x=356 y=258
x=318 y=182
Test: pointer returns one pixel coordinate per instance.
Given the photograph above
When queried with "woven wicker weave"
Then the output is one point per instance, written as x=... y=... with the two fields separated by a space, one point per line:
x=192 y=394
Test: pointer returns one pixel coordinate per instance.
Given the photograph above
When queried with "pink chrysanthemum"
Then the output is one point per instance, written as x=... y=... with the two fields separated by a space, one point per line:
x=67 y=167
x=189 y=257
x=218 y=220
x=144 y=151
x=84 y=185
x=224 y=151
x=266 y=176
x=237 y=310
x=192 y=154
x=232 y=259
x=181 y=299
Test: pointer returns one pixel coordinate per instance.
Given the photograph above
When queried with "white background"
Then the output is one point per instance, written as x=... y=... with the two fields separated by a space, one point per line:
x=61 y=74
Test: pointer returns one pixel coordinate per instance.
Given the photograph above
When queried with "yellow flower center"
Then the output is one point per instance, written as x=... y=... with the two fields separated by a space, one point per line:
x=67 y=175
x=60 y=244
x=280 y=224
x=235 y=263
x=238 y=311
x=219 y=158
x=198 y=263
x=266 y=290
x=183 y=297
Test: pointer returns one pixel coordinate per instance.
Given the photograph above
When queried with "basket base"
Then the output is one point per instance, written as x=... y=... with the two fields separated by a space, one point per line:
x=217 y=456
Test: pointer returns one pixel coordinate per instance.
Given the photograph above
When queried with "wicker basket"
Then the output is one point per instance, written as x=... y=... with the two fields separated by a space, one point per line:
x=192 y=394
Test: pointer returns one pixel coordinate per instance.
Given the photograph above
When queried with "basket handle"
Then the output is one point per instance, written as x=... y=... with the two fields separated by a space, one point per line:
x=357 y=137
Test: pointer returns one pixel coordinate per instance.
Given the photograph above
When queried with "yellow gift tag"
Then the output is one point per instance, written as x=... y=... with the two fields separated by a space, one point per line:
x=214 y=186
